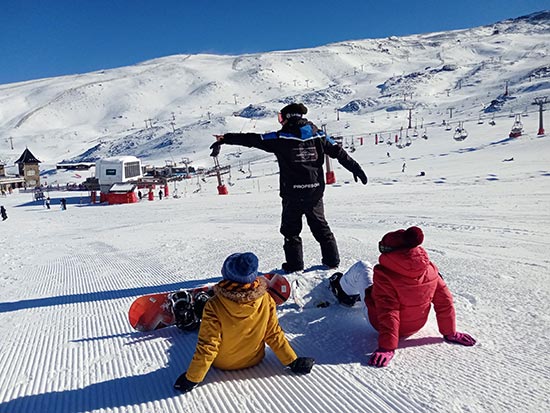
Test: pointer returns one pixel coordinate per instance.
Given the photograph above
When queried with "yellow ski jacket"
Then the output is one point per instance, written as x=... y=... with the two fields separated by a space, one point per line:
x=234 y=330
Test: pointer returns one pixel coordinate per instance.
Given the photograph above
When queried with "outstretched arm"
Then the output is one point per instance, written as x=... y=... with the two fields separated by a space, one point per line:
x=250 y=140
x=334 y=150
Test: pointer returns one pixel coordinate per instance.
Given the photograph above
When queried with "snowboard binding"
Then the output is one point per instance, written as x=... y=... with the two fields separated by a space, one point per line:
x=187 y=308
x=341 y=296
x=184 y=311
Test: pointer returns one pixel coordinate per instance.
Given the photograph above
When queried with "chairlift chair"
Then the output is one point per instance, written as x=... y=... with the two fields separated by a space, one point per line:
x=517 y=128
x=460 y=133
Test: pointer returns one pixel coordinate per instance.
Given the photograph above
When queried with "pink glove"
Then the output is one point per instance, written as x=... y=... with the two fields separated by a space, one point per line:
x=381 y=358
x=460 y=338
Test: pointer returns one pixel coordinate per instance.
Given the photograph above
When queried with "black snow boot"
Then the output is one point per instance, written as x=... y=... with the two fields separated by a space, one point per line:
x=288 y=268
x=341 y=296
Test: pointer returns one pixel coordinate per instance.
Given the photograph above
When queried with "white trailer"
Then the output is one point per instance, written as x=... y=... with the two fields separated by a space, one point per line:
x=115 y=170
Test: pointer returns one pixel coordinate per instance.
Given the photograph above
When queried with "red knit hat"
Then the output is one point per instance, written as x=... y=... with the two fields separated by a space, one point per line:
x=401 y=239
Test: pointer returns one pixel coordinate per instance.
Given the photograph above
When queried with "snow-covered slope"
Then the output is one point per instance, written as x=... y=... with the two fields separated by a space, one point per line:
x=168 y=108
x=67 y=279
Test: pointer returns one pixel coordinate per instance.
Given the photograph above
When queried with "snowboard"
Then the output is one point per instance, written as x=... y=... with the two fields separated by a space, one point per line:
x=155 y=311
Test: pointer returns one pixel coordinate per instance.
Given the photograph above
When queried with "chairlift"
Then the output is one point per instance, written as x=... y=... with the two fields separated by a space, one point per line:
x=480 y=120
x=408 y=141
x=241 y=168
x=425 y=134
x=448 y=127
x=400 y=144
x=199 y=187
x=415 y=133
x=517 y=128
x=460 y=133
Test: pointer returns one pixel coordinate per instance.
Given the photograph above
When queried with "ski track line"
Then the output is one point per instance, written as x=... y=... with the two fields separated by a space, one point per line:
x=498 y=391
x=50 y=278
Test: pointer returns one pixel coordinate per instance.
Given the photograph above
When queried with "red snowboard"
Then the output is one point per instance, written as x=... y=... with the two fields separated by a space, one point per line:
x=154 y=311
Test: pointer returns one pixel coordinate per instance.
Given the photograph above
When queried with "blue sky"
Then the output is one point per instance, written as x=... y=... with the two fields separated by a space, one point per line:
x=45 y=38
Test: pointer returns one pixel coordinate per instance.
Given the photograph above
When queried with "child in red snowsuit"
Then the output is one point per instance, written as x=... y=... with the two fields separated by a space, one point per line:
x=399 y=292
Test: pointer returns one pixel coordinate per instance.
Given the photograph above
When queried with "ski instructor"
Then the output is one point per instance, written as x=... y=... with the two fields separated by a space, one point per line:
x=300 y=149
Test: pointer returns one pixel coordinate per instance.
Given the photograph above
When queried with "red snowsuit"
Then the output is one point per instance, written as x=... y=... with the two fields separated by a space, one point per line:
x=406 y=283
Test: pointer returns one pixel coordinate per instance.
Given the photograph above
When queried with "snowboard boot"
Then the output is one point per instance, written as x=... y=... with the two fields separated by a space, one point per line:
x=184 y=311
x=288 y=268
x=330 y=265
x=341 y=296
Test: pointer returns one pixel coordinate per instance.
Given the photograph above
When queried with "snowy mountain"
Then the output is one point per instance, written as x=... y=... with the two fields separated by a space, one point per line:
x=168 y=108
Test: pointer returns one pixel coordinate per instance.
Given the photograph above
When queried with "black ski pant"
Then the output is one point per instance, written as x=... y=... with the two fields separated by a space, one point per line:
x=291 y=226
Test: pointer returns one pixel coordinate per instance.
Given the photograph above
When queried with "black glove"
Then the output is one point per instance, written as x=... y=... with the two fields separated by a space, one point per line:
x=184 y=385
x=359 y=173
x=302 y=365
x=215 y=148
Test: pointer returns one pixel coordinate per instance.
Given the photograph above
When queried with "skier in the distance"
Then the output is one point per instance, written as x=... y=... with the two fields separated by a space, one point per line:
x=399 y=292
x=300 y=149
x=237 y=323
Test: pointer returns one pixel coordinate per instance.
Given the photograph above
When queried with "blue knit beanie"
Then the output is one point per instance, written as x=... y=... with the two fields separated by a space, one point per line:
x=241 y=268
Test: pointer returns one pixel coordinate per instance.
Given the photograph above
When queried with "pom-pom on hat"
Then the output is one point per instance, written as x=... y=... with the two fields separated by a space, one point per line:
x=240 y=267
x=293 y=110
x=401 y=239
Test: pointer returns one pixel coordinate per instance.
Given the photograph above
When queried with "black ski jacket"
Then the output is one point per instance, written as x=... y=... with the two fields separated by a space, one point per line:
x=300 y=149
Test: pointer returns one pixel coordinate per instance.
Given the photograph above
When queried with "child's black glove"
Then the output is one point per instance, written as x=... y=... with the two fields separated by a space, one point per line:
x=184 y=385
x=302 y=365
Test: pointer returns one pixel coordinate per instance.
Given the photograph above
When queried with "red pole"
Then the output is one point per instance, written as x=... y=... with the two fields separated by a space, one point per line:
x=375 y=139
x=330 y=178
x=361 y=141
x=166 y=190
x=151 y=196
x=222 y=189
x=541 y=126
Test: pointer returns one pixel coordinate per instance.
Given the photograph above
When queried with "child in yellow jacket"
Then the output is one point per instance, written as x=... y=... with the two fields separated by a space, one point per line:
x=237 y=323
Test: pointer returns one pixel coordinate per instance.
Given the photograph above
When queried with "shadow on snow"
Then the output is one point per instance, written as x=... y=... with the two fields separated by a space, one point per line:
x=99 y=296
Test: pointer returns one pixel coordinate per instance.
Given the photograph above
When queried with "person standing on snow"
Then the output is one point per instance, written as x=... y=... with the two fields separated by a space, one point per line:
x=399 y=292
x=3 y=213
x=237 y=323
x=300 y=149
